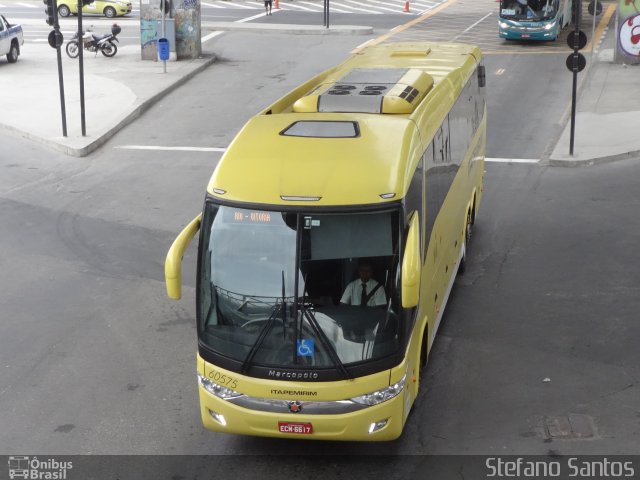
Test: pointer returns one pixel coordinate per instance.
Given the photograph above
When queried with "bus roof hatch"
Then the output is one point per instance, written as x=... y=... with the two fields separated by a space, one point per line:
x=369 y=90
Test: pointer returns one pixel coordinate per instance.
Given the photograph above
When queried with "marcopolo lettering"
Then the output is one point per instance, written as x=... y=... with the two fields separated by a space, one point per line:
x=293 y=375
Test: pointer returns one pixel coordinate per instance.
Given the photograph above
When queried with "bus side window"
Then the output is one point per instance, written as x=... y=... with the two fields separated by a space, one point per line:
x=429 y=198
x=414 y=195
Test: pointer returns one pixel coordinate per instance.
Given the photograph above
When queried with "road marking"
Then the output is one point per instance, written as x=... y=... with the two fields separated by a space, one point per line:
x=353 y=8
x=500 y=71
x=604 y=21
x=206 y=38
x=170 y=149
x=211 y=5
x=331 y=8
x=410 y=23
x=470 y=27
x=372 y=6
x=28 y=5
x=511 y=160
x=288 y=6
x=248 y=19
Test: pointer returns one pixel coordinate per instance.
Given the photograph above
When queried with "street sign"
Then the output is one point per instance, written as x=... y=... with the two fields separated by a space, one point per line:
x=595 y=6
x=576 y=62
x=55 y=38
x=582 y=39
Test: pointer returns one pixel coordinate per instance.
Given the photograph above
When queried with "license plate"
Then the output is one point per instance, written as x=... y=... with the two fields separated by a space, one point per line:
x=525 y=35
x=300 y=428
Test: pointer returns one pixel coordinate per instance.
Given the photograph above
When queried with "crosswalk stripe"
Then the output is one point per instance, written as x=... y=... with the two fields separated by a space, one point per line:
x=294 y=6
x=352 y=8
x=213 y=5
x=372 y=6
x=331 y=8
x=28 y=5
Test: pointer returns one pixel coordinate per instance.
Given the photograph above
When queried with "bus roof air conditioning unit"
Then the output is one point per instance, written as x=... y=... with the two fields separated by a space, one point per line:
x=369 y=90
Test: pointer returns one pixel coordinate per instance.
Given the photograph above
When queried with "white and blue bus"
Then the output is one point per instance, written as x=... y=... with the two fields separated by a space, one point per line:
x=533 y=19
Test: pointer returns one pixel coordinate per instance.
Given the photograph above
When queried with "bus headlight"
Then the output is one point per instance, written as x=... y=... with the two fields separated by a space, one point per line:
x=549 y=26
x=503 y=25
x=379 y=396
x=218 y=390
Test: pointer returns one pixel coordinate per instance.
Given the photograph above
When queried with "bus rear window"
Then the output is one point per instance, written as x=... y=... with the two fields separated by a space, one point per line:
x=322 y=129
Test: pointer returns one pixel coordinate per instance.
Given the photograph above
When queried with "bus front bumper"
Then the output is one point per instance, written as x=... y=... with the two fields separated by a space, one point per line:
x=528 y=34
x=363 y=425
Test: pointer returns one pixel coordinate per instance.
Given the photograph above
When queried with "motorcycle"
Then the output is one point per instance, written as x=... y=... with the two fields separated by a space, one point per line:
x=94 y=43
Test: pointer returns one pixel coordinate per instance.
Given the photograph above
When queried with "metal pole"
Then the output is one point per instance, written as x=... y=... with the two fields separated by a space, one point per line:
x=83 y=125
x=324 y=13
x=164 y=11
x=63 y=109
x=327 y=13
x=593 y=30
x=576 y=45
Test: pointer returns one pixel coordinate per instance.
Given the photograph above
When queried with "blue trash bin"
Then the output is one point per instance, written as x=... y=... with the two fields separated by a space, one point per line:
x=163 y=49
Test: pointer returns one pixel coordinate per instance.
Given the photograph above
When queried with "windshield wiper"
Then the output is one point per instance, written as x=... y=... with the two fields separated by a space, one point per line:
x=265 y=331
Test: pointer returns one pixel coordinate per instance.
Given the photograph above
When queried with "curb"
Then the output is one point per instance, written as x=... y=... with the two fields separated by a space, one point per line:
x=288 y=28
x=588 y=162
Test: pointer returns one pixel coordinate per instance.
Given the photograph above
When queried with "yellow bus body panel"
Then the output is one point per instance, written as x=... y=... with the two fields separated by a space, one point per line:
x=260 y=166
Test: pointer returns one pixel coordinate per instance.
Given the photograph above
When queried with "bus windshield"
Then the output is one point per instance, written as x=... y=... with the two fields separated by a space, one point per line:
x=274 y=287
x=531 y=10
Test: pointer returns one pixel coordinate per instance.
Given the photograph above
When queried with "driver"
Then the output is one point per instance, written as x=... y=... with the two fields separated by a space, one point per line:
x=364 y=291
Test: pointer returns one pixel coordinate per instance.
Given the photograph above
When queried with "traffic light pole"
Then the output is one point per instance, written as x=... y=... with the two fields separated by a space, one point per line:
x=55 y=40
x=81 y=68
x=63 y=109
x=576 y=48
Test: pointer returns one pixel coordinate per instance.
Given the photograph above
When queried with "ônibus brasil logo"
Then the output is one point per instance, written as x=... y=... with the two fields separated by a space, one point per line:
x=36 y=469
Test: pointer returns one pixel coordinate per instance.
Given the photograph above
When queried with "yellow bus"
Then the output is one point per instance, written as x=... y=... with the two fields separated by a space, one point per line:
x=331 y=234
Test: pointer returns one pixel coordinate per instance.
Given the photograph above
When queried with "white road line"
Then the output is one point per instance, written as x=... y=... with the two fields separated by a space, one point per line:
x=471 y=26
x=248 y=19
x=511 y=160
x=240 y=5
x=170 y=149
x=212 y=5
x=28 y=5
x=386 y=4
x=294 y=6
x=500 y=71
x=372 y=6
x=353 y=8
x=206 y=38
x=331 y=8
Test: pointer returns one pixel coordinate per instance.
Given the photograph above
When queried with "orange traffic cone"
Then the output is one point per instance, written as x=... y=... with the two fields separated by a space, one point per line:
x=406 y=6
x=277 y=5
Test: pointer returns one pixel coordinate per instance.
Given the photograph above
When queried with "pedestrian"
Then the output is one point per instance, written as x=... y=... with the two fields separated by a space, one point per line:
x=267 y=6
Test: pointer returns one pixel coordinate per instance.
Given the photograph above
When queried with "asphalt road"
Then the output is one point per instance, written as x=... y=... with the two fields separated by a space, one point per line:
x=95 y=359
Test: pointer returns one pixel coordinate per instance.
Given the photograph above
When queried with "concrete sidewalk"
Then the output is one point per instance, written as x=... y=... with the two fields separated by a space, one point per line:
x=607 y=112
x=116 y=90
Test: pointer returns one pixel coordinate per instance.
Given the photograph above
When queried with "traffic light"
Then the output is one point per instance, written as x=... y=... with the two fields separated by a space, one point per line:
x=50 y=11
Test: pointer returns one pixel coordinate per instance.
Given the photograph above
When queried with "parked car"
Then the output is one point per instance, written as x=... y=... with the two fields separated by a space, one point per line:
x=10 y=40
x=108 y=8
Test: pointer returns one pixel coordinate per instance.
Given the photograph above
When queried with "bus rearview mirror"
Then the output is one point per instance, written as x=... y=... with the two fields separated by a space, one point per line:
x=173 y=262
x=411 y=265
